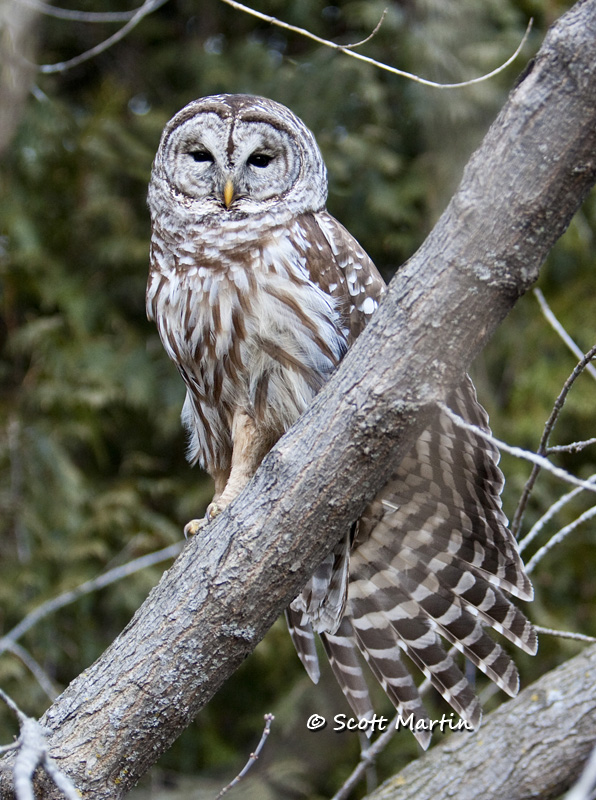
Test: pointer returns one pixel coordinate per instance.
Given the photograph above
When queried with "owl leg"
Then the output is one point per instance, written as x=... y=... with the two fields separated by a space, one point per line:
x=250 y=444
x=220 y=479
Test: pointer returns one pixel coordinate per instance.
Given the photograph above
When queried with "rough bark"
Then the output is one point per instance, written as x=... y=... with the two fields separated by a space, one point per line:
x=209 y=611
x=533 y=746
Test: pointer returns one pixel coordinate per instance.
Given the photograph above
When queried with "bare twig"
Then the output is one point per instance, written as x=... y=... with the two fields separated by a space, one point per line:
x=252 y=758
x=367 y=758
x=38 y=672
x=66 y=598
x=556 y=325
x=393 y=70
x=527 y=455
x=550 y=513
x=147 y=8
x=579 y=637
x=558 y=537
x=573 y=447
x=33 y=753
x=543 y=446
x=79 y=16
x=370 y=36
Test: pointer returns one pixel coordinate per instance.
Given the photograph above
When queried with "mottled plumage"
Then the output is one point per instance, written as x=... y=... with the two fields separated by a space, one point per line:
x=257 y=293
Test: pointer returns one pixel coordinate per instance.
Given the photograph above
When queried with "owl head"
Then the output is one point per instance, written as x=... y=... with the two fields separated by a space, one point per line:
x=232 y=156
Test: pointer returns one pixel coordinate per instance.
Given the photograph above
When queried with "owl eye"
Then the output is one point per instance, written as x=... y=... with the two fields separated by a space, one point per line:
x=201 y=155
x=259 y=160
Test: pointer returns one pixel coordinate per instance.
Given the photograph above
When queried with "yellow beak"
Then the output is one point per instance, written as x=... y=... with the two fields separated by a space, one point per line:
x=228 y=192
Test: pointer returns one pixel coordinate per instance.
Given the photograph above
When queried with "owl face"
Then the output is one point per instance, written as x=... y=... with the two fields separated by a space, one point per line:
x=231 y=156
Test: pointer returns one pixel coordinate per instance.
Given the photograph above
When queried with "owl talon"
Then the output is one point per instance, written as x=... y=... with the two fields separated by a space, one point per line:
x=194 y=526
x=213 y=510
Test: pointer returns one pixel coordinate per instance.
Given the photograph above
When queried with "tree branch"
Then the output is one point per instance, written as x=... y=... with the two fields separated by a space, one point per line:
x=348 y=49
x=560 y=330
x=533 y=746
x=148 y=7
x=543 y=447
x=209 y=611
x=539 y=461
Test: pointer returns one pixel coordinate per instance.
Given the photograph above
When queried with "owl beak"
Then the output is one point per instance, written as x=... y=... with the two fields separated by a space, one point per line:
x=228 y=193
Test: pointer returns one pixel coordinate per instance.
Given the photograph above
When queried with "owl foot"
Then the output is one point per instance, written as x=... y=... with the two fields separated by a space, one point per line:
x=213 y=510
x=196 y=525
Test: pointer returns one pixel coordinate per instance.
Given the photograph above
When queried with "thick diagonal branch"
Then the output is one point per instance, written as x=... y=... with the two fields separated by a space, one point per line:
x=209 y=611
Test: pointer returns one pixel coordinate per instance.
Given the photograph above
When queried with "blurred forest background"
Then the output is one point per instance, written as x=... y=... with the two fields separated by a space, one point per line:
x=92 y=468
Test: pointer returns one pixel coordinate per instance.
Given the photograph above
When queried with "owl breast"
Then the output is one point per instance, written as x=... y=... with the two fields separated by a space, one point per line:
x=248 y=329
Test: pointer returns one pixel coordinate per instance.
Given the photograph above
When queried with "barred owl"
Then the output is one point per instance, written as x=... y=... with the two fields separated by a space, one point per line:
x=258 y=293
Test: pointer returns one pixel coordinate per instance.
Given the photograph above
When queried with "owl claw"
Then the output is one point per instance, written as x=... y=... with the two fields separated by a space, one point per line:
x=194 y=526
x=213 y=510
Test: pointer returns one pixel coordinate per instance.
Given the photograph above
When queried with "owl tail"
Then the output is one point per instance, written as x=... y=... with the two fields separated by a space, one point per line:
x=324 y=597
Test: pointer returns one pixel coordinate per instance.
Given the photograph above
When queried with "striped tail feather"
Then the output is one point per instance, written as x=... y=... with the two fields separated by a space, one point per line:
x=446 y=615
x=346 y=666
x=324 y=597
x=381 y=648
x=384 y=621
x=304 y=641
x=456 y=590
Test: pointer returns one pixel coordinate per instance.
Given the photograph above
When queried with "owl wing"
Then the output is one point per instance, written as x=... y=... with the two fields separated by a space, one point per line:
x=359 y=285
x=431 y=559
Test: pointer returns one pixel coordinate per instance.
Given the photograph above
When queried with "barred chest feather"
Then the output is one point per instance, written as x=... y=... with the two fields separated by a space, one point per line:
x=248 y=328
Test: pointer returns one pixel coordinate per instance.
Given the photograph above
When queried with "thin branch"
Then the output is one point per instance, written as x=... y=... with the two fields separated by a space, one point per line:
x=79 y=16
x=393 y=70
x=574 y=447
x=556 y=325
x=548 y=428
x=100 y=582
x=550 y=513
x=38 y=672
x=579 y=637
x=252 y=758
x=558 y=537
x=367 y=758
x=147 y=8
x=33 y=753
x=12 y=705
x=518 y=452
x=377 y=28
